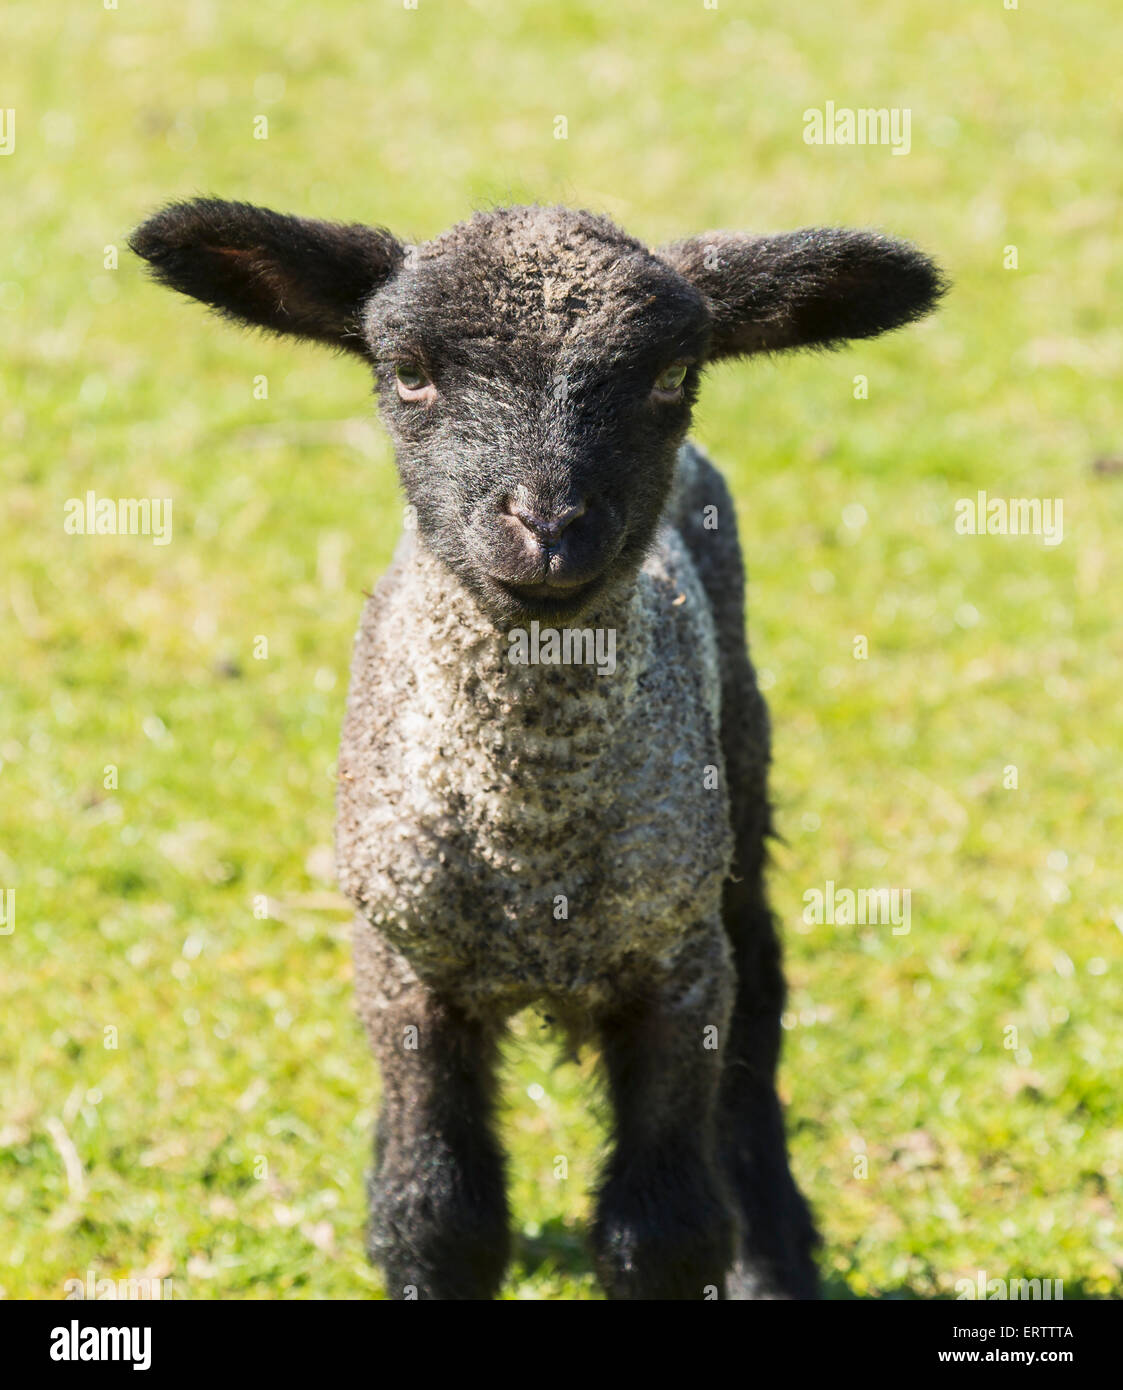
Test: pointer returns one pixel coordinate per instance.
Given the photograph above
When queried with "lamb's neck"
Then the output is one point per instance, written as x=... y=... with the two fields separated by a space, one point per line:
x=527 y=692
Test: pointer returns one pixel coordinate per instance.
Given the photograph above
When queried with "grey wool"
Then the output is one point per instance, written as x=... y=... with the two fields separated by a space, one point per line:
x=553 y=772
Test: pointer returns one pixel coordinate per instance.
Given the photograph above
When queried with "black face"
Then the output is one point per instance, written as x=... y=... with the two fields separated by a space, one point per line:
x=537 y=387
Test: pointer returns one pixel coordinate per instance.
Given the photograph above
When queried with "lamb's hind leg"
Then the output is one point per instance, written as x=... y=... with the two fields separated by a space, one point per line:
x=777 y=1238
x=664 y=1224
x=438 y=1219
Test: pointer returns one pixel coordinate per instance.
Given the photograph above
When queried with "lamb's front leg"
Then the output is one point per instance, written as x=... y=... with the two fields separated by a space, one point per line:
x=664 y=1226
x=439 y=1218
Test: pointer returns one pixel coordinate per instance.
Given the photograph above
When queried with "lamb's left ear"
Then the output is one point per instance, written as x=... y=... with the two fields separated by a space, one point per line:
x=285 y=274
x=813 y=288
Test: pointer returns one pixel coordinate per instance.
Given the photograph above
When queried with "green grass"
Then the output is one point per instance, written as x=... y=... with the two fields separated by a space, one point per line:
x=224 y=1139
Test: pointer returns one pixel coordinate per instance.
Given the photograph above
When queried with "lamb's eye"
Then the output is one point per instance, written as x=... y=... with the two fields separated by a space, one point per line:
x=413 y=382
x=670 y=379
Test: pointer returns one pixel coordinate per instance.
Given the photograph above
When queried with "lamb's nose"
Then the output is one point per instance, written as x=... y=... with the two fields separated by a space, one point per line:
x=551 y=526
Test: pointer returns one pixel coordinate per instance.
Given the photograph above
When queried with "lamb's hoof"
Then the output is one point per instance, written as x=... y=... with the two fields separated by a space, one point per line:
x=758 y=1282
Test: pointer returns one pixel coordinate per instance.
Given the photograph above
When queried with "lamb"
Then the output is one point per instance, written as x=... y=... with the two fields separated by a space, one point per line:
x=551 y=833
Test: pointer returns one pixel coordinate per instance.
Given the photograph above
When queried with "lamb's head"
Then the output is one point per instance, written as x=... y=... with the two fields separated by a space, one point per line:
x=536 y=371
x=536 y=367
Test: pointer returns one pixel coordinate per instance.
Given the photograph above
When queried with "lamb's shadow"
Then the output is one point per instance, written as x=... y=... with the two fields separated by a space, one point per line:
x=556 y=1249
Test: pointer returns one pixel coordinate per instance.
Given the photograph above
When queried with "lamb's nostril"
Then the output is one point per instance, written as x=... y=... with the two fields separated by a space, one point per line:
x=547 y=526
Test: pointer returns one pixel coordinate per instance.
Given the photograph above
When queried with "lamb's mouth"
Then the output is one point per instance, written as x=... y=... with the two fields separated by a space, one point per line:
x=553 y=597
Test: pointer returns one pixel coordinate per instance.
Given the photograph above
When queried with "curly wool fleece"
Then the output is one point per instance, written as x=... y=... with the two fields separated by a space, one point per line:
x=521 y=831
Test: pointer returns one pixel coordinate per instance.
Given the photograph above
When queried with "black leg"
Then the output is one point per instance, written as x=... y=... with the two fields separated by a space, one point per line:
x=664 y=1224
x=777 y=1238
x=439 y=1220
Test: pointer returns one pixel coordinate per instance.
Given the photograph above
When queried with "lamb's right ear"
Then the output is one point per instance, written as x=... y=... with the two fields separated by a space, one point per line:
x=815 y=288
x=284 y=274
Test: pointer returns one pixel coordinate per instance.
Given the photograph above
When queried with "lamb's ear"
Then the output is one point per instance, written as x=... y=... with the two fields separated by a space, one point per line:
x=812 y=288
x=285 y=274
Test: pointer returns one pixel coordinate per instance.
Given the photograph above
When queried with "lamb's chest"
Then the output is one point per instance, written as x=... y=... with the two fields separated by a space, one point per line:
x=544 y=854
x=540 y=826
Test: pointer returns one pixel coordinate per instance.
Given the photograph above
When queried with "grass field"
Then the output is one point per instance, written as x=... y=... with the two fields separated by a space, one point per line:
x=184 y=1089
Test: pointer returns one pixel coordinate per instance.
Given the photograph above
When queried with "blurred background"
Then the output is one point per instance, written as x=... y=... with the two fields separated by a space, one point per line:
x=184 y=1089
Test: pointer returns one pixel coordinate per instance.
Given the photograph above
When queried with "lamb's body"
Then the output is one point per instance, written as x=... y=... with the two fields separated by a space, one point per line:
x=530 y=833
x=512 y=833
x=515 y=834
